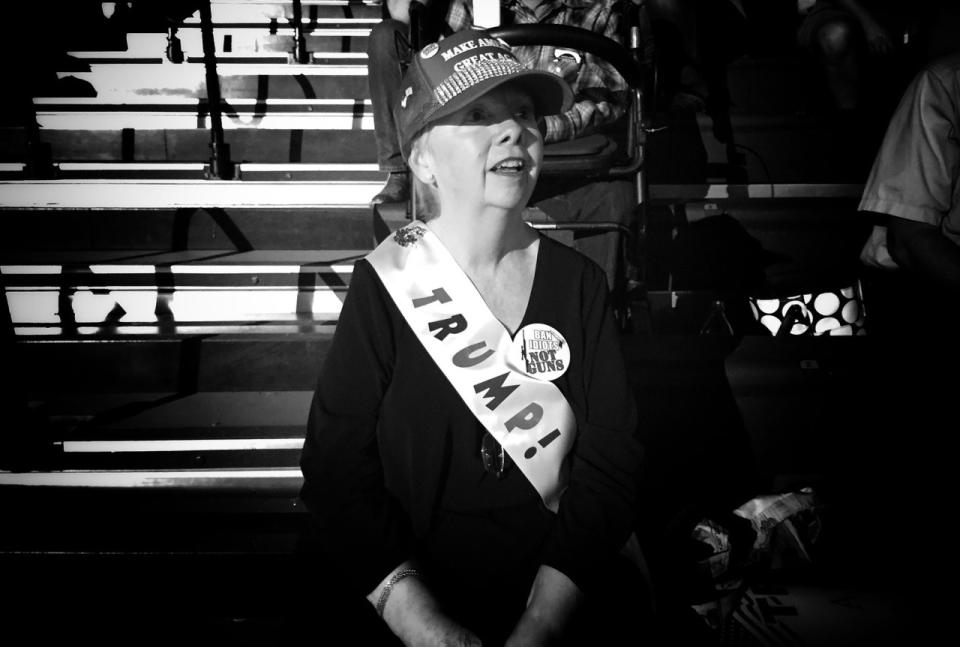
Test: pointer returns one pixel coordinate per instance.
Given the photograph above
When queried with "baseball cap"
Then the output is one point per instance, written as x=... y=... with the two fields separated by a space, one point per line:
x=445 y=76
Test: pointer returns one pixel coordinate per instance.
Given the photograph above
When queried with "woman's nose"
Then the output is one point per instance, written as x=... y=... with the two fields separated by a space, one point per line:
x=510 y=130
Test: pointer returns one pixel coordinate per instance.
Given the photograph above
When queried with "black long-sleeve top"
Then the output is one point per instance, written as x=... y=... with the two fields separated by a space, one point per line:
x=390 y=444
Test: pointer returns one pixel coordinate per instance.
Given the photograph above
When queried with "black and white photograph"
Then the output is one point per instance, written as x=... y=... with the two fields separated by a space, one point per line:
x=479 y=323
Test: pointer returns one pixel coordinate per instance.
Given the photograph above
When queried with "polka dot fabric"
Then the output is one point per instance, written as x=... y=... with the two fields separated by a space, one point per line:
x=834 y=313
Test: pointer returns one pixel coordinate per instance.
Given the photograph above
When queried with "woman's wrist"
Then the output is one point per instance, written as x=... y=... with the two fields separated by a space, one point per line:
x=398 y=576
x=381 y=594
x=406 y=604
x=414 y=615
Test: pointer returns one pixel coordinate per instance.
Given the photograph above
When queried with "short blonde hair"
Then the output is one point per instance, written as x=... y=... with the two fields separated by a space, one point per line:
x=426 y=199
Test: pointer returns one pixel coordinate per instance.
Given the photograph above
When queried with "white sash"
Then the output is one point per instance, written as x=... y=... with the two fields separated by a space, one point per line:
x=530 y=418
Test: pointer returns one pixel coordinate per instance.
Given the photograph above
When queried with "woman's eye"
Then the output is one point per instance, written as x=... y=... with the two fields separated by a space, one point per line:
x=475 y=115
x=525 y=113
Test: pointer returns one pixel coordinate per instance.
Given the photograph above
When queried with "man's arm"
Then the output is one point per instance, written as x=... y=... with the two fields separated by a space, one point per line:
x=601 y=95
x=913 y=177
x=922 y=248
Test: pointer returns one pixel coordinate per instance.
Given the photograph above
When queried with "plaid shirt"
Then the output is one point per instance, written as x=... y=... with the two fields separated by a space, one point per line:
x=601 y=95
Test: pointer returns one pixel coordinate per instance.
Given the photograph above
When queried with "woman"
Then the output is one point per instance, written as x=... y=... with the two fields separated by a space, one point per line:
x=471 y=457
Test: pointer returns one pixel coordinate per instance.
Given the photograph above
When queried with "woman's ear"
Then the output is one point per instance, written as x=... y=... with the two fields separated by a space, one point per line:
x=421 y=162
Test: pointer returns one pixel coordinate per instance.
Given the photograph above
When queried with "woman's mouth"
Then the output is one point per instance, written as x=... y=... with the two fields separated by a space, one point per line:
x=509 y=166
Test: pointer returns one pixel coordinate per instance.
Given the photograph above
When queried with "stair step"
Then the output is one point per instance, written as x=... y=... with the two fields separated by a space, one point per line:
x=72 y=456
x=99 y=291
x=233 y=10
x=320 y=38
x=326 y=45
x=118 y=82
x=256 y=10
x=119 y=311
x=221 y=229
x=250 y=145
x=268 y=131
x=173 y=194
x=254 y=17
x=134 y=366
x=275 y=266
x=171 y=114
x=241 y=481
x=285 y=7
x=253 y=171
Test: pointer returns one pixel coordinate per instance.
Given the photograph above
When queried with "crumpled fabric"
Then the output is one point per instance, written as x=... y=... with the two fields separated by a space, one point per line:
x=785 y=527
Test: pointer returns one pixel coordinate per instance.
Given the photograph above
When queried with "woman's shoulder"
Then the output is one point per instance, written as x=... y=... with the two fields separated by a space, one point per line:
x=561 y=259
x=363 y=275
x=364 y=286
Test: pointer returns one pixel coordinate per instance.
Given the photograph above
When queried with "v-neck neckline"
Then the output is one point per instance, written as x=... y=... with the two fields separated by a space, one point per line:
x=533 y=290
x=533 y=283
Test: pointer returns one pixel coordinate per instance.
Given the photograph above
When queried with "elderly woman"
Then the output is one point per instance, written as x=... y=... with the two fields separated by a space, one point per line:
x=471 y=458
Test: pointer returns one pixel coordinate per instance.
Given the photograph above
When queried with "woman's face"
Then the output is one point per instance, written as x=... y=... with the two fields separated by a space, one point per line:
x=489 y=152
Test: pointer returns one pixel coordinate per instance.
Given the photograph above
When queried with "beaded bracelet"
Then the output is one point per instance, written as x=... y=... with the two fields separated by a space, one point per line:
x=399 y=575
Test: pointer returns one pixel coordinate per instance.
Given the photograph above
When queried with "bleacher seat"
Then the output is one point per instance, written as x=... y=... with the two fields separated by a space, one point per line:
x=165 y=327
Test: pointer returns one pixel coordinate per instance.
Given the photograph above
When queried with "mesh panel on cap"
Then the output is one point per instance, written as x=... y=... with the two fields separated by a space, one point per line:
x=463 y=80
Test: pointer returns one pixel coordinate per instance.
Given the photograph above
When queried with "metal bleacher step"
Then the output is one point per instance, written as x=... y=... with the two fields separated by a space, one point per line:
x=175 y=194
x=135 y=292
x=182 y=152
x=170 y=113
x=138 y=108
x=218 y=419
x=257 y=10
x=130 y=81
x=240 y=24
x=99 y=370
x=324 y=37
x=227 y=441
x=317 y=136
x=220 y=229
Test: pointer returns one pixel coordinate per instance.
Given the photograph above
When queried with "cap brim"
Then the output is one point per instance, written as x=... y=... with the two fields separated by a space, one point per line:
x=550 y=93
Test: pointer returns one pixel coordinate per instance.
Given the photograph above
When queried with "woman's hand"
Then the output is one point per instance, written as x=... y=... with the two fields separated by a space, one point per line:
x=554 y=598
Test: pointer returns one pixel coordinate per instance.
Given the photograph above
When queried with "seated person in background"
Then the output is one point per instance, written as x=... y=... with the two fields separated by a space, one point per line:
x=915 y=185
x=600 y=99
x=839 y=32
x=692 y=35
x=472 y=453
x=387 y=46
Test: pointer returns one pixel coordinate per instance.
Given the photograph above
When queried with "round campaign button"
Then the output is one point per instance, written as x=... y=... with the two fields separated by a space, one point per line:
x=541 y=352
